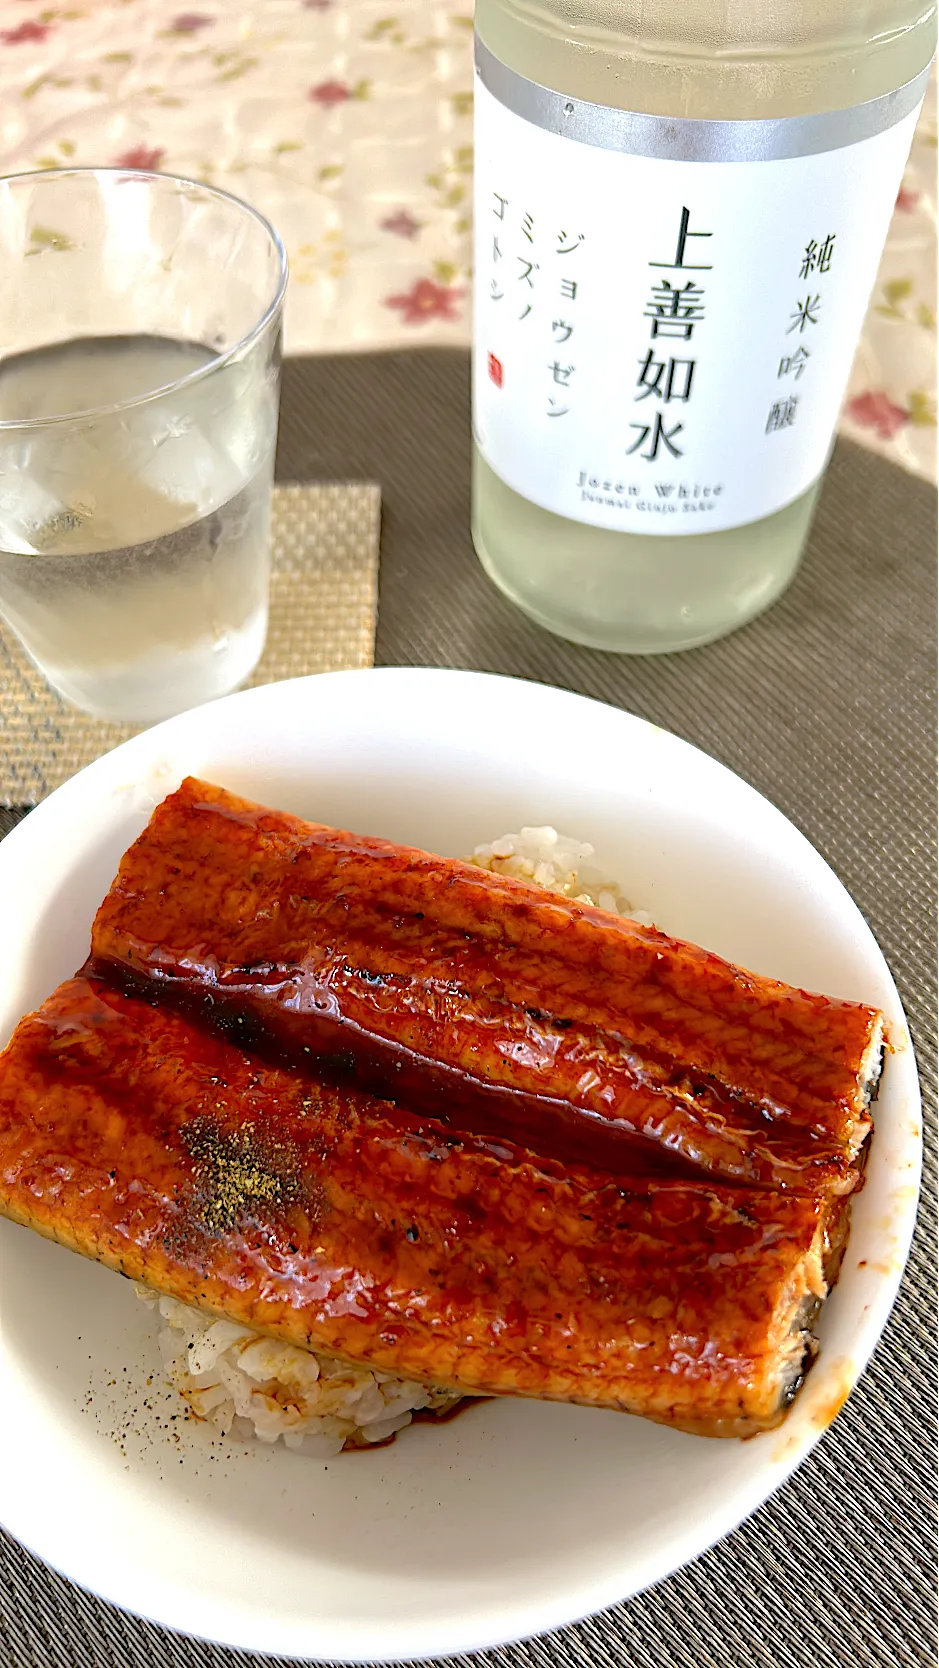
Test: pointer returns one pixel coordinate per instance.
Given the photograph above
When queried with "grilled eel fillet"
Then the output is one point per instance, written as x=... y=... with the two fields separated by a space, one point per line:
x=487 y=1003
x=330 y=1219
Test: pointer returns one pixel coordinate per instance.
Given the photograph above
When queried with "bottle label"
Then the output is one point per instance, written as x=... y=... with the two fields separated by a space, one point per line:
x=666 y=310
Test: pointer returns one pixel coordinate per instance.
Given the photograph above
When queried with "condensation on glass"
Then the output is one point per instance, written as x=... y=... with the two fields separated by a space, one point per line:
x=139 y=384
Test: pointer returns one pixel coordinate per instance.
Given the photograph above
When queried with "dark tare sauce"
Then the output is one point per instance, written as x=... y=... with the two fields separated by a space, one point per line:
x=339 y=1052
x=421 y=1416
x=427 y=1416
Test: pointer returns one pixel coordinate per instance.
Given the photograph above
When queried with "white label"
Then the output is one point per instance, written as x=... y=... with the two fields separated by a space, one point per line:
x=663 y=346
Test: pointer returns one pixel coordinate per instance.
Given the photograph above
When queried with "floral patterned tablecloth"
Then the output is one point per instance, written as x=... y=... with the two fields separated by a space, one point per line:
x=350 y=126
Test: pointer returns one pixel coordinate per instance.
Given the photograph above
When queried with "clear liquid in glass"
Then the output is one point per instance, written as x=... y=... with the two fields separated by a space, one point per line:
x=134 y=546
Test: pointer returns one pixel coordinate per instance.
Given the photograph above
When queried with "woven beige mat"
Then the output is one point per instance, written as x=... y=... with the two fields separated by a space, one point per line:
x=324 y=590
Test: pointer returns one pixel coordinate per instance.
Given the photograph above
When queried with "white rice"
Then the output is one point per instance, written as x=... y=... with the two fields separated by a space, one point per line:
x=546 y=858
x=248 y=1385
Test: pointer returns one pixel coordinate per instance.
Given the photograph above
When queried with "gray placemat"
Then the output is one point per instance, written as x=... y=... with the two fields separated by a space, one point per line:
x=827 y=705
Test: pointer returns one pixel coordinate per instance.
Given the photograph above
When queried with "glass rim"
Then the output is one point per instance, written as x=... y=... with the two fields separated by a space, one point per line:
x=218 y=360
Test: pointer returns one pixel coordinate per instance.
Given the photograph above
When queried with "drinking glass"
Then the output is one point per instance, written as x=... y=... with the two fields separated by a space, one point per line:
x=140 y=329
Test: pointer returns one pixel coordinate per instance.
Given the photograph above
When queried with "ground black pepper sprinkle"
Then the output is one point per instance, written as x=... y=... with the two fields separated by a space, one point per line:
x=238 y=1172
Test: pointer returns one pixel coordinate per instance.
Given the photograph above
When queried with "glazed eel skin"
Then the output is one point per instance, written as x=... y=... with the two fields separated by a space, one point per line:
x=488 y=1004
x=328 y=1218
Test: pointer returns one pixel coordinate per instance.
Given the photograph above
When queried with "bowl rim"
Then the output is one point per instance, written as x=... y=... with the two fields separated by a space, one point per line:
x=535 y=1618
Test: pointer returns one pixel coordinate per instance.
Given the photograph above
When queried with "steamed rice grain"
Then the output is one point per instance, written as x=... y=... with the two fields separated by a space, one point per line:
x=546 y=858
x=248 y=1385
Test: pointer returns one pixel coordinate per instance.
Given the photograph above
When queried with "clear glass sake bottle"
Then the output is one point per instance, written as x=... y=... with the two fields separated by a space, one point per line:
x=680 y=210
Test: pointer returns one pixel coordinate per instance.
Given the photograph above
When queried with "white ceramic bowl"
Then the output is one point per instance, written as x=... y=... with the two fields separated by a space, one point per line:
x=519 y=1516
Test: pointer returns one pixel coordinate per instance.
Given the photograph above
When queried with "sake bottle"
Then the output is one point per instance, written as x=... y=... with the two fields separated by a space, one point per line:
x=679 y=213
